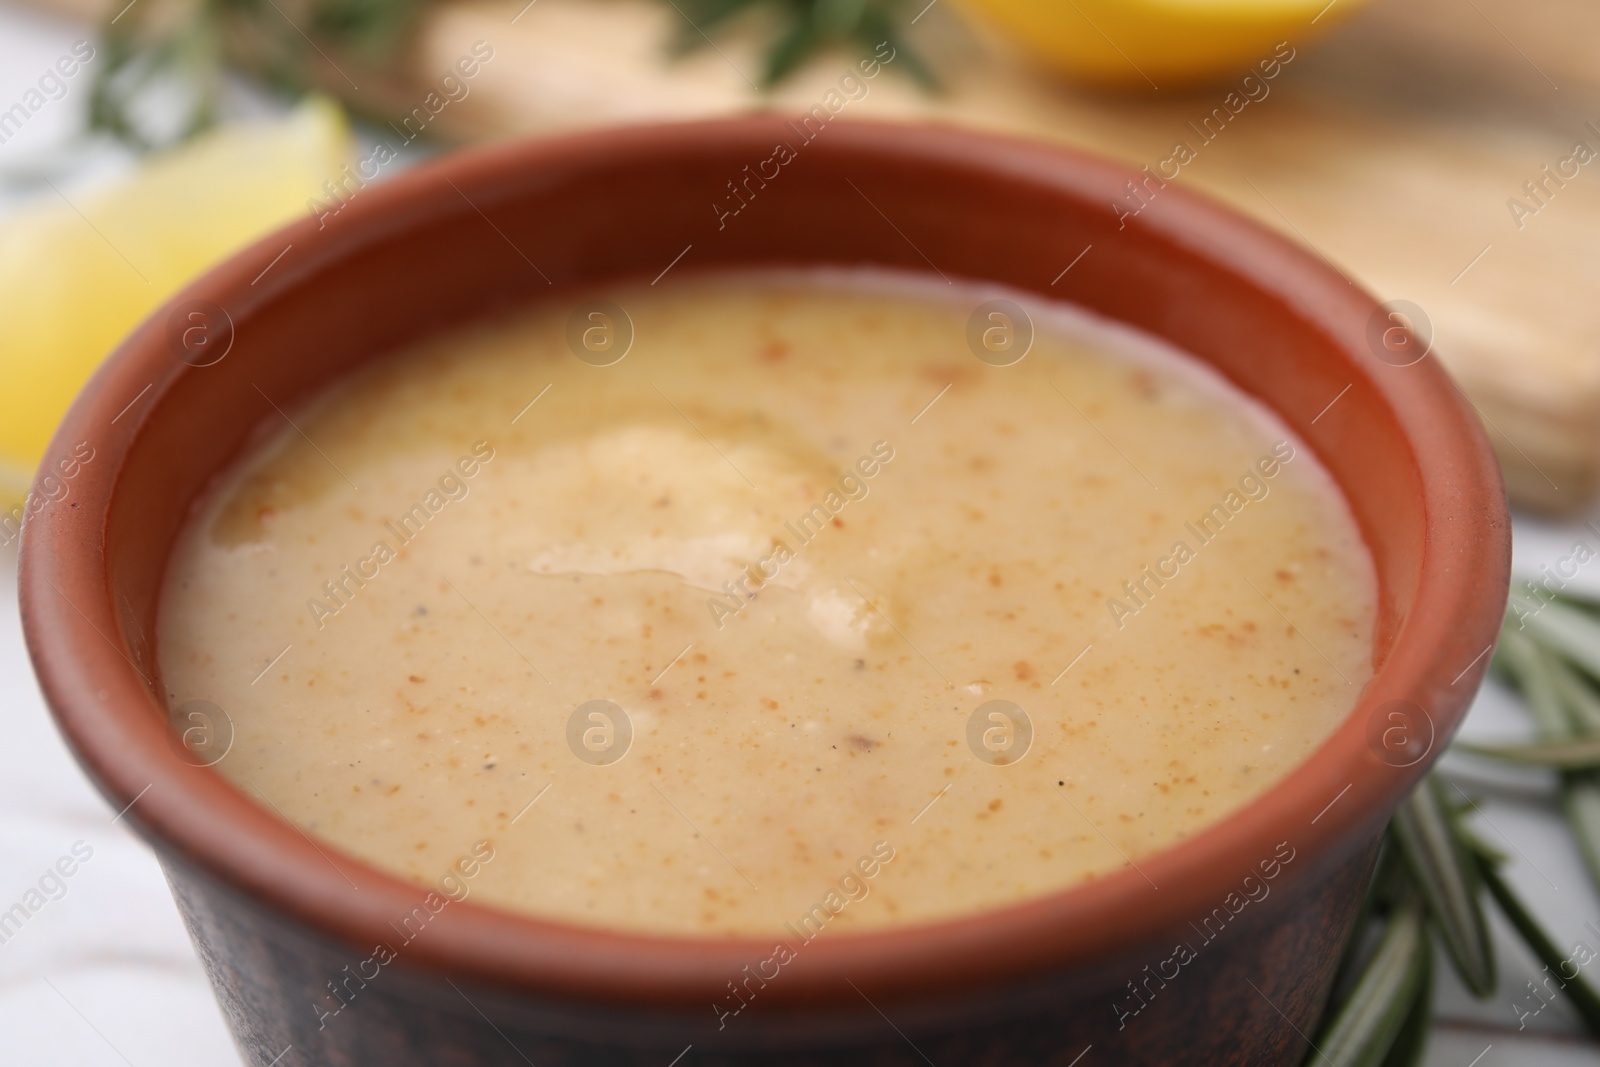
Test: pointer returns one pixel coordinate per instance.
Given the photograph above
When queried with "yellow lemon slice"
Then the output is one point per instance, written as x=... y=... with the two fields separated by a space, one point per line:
x=1161 y=43
x=77 y=274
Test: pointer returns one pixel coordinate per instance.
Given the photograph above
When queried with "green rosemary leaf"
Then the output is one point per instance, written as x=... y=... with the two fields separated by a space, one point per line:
x=1582 y=702
x=1366 y=1026
x=1578 y=754
x=1581 y=801
x=1570 y=631
x=373 y=29
x=1387 y=885
x=1586 y=601
x=118 y=55
x=1578 y=991
x=792 y=48
x=1445 y=875
x=185 y=64
x=877 y=28
x=1391 y=880
x=807 y=27
x=838 y=19
x=1412 y=1041
x=1558 y=698
x=1527 y=662
x=1478 y=845
x=1580 y=789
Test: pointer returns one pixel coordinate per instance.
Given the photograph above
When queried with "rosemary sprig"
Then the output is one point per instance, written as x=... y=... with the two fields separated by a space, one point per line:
x=1561 y=626
x=1559 y=699
x=1582 y=803
x=1582 y=702
x=1575 y=755
x=1368 y=1025
x=184 y=58
x=805 y=27
x=1412 y=1040
x=374 y=30
x=1445 y=875
x=1578 y=991
x=184 y=48
x=1550 y=651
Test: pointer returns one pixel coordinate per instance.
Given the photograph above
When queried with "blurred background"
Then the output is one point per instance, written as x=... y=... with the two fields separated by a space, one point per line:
x=1436 y=152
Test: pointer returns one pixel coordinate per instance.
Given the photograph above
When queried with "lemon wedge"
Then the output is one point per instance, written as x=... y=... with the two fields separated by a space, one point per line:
x=77 y=274
x=1160 y=43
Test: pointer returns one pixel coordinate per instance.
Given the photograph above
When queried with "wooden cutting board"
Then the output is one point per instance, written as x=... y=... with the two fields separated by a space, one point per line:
x=1394 y=147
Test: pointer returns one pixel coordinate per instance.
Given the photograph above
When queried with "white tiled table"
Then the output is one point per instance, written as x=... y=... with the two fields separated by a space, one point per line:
x=106 y=975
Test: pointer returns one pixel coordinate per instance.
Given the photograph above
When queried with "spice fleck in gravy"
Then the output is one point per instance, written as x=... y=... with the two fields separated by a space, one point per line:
x=779 y=606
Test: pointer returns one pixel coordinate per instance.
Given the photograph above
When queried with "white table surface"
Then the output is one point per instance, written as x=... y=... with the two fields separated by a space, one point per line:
x=106 y=974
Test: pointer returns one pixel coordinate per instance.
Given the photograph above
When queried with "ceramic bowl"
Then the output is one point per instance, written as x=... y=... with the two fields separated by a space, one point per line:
x=1088 y=972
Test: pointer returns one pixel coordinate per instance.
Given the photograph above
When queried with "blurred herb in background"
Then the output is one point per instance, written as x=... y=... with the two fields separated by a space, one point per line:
x=164 y=64
x=804 y=27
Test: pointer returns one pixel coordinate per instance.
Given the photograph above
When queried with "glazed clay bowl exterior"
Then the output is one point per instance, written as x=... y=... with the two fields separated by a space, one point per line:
x=1263 y=900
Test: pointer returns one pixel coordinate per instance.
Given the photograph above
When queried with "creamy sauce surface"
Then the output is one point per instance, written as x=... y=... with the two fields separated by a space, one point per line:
x=799 y=537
